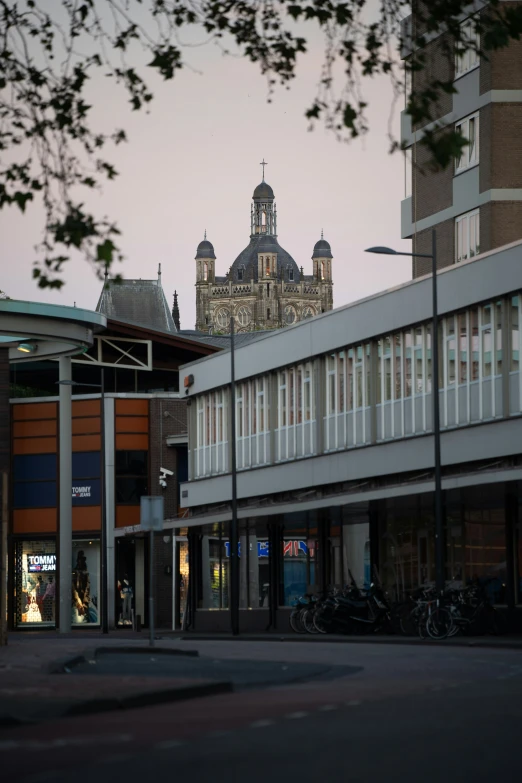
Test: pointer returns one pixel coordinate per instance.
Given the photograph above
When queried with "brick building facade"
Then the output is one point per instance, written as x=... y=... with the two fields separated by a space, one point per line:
x=475 y=205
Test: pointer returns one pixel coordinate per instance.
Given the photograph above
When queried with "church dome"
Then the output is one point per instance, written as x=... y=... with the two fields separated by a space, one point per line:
x=247 y=263
x=205 y=250
x=322 y=249
x=268 y=244
x=263 y=192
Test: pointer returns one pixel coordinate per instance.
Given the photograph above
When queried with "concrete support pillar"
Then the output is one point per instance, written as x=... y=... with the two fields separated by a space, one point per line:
x=65 y=542
x=205 y=572
x=110 y=507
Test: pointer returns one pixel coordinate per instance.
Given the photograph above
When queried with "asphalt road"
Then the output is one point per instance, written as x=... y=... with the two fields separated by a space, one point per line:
x=411 y=714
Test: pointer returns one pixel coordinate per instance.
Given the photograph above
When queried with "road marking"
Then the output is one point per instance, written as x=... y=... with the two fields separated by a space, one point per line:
x=295 y=715
x=327 y=707
x=63 y=742
x=260 y=724
x=166 y=744
x=353 y=703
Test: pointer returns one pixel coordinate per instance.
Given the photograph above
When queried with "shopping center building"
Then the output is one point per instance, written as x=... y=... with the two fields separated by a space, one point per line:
x=335 y=449
x=79 y=460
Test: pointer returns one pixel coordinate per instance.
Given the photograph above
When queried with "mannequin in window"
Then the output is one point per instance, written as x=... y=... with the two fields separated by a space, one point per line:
x=81 y=590
x=126 y=594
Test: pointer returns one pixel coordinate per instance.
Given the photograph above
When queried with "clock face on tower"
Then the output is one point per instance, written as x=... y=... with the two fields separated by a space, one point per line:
x=223 y=318
x=290 y=314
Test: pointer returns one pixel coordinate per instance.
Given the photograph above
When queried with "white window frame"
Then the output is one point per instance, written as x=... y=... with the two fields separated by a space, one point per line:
x=469 y=59
x=465 y=220
x=471 y=153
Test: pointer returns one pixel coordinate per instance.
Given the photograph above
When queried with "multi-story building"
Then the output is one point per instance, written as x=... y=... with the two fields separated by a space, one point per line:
x=475 y=205
x=334 y=448
x=79 y=456
x=264 y=288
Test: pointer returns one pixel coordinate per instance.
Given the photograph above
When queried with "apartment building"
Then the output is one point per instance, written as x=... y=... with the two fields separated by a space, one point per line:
x=475 y=204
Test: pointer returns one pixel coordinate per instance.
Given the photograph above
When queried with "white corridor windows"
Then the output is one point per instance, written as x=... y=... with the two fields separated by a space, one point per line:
x=252 y=423
x=295 y=419
x=467 y=236
x=212 y=438
x=469 y=130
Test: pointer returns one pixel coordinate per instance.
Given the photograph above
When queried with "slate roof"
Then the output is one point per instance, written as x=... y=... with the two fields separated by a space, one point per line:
x=141 y=302
x=248 y=259
x=223 y=340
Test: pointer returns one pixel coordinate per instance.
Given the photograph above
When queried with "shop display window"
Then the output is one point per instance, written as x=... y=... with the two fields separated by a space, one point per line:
x=35 y=589
x=85 y=582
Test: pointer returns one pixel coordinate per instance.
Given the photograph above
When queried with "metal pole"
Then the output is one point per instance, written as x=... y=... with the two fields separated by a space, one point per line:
x=234 y=557
x=65 y=539
x=103 y=559
x=151 y=588
x=440 y=579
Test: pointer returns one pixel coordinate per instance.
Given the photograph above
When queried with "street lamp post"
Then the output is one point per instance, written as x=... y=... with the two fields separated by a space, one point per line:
x=439 y=526
x=103 y=556
x=234 y=538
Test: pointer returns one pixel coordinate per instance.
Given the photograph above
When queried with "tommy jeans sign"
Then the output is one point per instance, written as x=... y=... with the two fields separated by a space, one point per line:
x=38 y=563
x=82 y=492
x=86 y=492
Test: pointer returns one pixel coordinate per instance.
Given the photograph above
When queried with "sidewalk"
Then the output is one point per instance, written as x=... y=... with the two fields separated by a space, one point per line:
x=38 y=680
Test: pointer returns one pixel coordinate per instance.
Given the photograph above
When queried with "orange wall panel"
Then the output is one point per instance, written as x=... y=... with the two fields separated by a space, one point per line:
x=34 y=446
x=35 y=520
x=132 y=424
x=85 y=426
x=133 y=442
x=35 y=410
x=86 y=518
x=86 y=442
x=127 y=515
x=132 y=407
x=86 y=408
x=28 y=429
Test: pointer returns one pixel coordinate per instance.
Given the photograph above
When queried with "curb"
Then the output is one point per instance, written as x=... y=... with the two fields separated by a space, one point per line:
x=64 y=665
x=149 y=699
x=404 y=640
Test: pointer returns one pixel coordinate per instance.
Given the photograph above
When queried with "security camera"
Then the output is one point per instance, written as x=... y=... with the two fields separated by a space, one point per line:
x=163 y=483
x=166 y=472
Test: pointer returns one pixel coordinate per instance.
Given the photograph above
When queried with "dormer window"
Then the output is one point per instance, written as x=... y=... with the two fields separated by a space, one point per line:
x=241 y=273
x=291 y=274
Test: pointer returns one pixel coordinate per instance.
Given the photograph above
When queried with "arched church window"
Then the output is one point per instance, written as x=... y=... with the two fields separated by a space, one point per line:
x=308 y=312
x=290 y=314
x=323 y=270
x=205 y=270
x=243 y=316
x=267 y=265
x=223 y=318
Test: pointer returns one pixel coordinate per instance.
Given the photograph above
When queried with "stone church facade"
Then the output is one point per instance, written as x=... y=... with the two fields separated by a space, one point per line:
x=264 y=287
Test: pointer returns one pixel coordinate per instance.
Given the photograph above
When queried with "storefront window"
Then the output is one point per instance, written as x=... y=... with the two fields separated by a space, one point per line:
x=356 y=544
x=85 y=582
x=215 y=567
x=35 y=583
x=299 y=547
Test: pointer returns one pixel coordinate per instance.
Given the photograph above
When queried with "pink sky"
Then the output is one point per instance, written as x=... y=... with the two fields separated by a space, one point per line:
x=193 y=163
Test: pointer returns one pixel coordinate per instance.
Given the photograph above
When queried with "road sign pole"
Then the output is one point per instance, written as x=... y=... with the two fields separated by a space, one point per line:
x=151 y=519
x=151 y=587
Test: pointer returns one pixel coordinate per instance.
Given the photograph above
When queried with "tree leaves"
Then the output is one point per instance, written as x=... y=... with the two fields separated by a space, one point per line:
x=50 y=149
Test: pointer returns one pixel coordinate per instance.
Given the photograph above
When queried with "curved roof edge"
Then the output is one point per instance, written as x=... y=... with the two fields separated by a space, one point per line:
x=95 y=321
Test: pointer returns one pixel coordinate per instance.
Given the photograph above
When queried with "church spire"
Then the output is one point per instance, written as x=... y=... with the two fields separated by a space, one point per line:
x=175 y=311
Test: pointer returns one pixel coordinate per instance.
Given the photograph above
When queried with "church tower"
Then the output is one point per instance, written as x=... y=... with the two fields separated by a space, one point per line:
x=264 y=288
x=205 y=278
